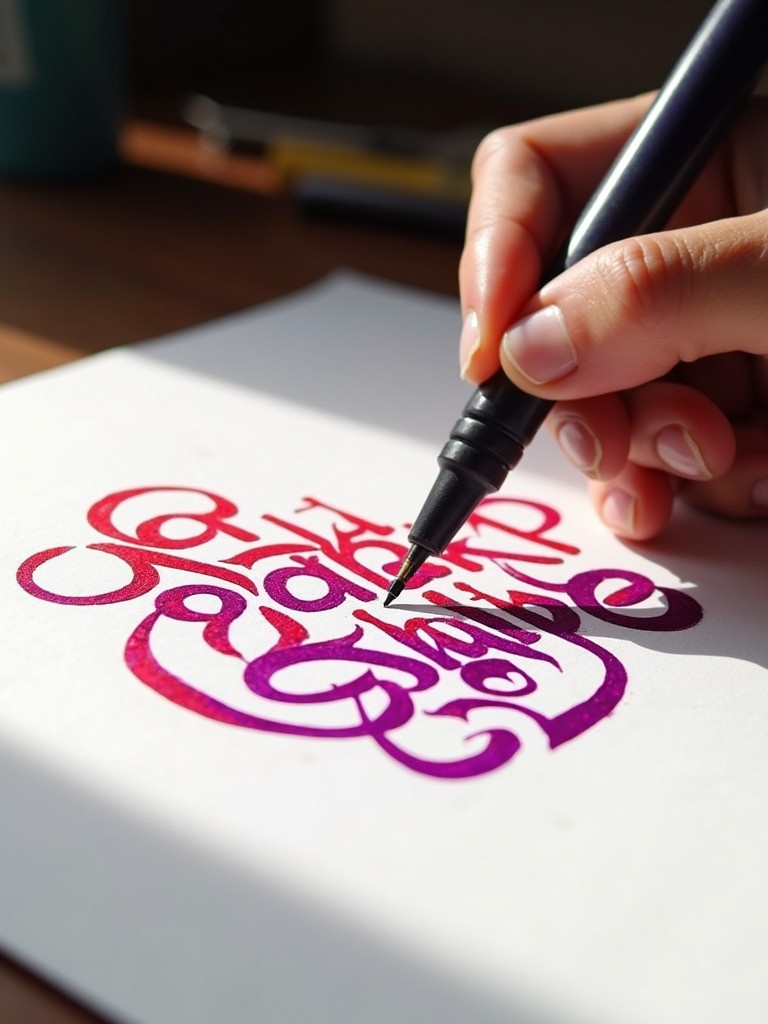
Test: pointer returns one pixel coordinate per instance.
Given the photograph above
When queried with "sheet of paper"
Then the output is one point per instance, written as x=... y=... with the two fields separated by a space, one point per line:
x=234 y=787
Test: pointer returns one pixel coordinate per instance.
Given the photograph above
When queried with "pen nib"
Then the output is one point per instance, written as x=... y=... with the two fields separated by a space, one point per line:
x=395 y=590
x=412 y=562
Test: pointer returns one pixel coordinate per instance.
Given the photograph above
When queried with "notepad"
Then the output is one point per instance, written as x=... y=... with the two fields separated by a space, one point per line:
x=234 y=787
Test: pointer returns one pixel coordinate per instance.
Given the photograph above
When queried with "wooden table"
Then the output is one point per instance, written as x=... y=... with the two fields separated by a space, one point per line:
x=175 y=237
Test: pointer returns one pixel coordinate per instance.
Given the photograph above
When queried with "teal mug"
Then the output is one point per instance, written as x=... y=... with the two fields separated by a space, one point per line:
x=61 y=87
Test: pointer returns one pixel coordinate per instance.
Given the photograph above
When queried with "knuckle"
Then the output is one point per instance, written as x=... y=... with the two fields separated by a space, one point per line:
x=498 y=153
x=758 y=249
x=649 y=278
x=489 y=146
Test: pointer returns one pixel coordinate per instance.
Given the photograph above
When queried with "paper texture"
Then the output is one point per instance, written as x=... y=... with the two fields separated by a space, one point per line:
x=234 y=787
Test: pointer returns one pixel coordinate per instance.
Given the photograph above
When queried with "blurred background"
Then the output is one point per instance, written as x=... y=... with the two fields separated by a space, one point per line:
x=359 y=59
x=137 y=198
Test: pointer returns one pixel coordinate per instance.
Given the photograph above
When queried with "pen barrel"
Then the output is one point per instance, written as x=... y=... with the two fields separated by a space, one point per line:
x=498 y=422
x=488 y=440
x=699 y=99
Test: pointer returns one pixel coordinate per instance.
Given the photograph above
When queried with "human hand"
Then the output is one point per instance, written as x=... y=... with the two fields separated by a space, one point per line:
x=656 y=348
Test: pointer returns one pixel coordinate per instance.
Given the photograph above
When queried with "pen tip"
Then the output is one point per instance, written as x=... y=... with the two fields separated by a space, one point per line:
x=395 y=590
x=411 y=563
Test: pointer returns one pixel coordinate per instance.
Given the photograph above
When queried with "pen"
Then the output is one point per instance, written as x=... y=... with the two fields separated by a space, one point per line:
x=706 y=88
x=224 y=127
x=412 y=161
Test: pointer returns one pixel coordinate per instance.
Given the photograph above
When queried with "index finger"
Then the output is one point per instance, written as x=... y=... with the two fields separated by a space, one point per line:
x=529 y=183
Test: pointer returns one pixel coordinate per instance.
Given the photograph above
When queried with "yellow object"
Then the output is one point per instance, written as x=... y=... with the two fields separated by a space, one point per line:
x=295 y=158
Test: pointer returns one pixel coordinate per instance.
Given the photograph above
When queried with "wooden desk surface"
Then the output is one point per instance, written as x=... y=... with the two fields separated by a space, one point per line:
x=146 y=252
x=153 y=249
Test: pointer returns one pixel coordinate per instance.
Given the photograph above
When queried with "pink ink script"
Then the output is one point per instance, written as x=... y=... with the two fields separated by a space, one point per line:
x=296 y=643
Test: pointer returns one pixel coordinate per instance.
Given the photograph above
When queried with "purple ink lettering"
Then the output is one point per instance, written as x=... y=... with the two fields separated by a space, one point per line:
x=500 y=652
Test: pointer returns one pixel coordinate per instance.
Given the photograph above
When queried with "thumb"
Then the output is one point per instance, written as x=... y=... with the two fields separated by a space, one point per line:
x=631 y=311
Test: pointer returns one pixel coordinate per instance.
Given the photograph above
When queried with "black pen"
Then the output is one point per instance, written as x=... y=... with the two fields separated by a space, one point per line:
x=705 y=90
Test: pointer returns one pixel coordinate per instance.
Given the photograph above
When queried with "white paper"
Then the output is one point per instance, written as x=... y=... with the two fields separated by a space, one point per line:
x=545 y=809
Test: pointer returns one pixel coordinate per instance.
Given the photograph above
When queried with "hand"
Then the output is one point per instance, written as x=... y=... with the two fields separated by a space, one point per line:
x=654 y=348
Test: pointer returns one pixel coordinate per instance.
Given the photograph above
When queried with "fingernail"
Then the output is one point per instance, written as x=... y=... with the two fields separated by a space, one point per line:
x=680 y=453
x=469 y=343
x=618 y=511
x=760 y=493
x=540 y=346
x=580 y=445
